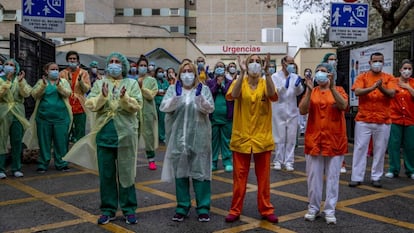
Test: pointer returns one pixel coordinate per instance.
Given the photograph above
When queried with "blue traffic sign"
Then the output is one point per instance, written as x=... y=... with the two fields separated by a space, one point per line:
x=349 y=15
x=44 y=15
x=44 y=8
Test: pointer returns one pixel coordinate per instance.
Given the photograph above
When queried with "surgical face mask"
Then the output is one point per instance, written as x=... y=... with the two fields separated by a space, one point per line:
x=1 y=67
x=219 y=71
x=232 y=70
x=114 y=70
x=321 y=77
x=8 y=69
x=94 y=70
x=160 y=75
x=53 y=74
x=291 y=68
x=308 y=74
x=187 y=78
x=332 y=62
x=142 y=70
x=254 y=68
x=151 y=67
x=73 y=64
x=406 y=73
x=272 y=70
x=200 y=65
x=376 y=67
x=134 y=69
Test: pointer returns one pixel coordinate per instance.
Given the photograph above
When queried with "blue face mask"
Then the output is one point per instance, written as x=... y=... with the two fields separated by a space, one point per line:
x=142 y=70
x=272 y=70
x=8 y=69
x=73 y=64
x=114 y=70
x=219 y=71
x=160 y=75
x=200 y=65
x=321 y=77
x=232 y=70
x=53 y=74
x=134 y=69
x=1 y=67
x=291 y=68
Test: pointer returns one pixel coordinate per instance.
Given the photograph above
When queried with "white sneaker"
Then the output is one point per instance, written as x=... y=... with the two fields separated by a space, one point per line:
x=330 y=219
x=18 y=174
x=343 y=170
x=277 y=166
x=389 y=175
x=289 y=168
x=311 y=216
x=2 y=175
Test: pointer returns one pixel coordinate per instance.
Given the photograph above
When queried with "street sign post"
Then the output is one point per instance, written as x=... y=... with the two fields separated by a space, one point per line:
x=349 y=22
x=44 y=15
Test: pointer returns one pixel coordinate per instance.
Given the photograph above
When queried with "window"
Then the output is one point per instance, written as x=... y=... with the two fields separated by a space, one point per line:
x=137 y=11
x=174 y=29
x=9 y=14
x=70 y=17
x=119 y=12
x=156 y=12
x=174 y=12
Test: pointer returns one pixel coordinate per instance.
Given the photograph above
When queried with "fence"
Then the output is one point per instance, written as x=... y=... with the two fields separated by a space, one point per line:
x=32 y=52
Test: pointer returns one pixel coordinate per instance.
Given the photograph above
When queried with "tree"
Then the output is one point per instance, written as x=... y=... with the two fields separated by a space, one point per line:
x=392 y=12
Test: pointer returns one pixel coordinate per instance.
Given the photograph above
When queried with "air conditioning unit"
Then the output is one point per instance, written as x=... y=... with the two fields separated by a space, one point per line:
x=271 y=35
x=174 y=12
x=9 y=16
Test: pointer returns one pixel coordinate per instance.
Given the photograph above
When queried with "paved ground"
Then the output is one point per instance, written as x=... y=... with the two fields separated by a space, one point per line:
x=69 y=202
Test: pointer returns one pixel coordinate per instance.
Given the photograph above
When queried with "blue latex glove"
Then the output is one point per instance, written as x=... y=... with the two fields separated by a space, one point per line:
x=207 y=69
x=287 y=82
x=298 y=81
x=178 y=88
x=199 y=87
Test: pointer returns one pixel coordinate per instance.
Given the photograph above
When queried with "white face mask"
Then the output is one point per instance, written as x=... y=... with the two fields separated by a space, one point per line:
x=187 y=78
x=254 y=68
x=406 y=73
x=376 y=67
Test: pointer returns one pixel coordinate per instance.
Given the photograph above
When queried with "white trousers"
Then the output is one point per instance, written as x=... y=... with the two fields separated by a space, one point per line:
x=363 y=132
x=316 y=167
x=302 y=123
x=285 y=142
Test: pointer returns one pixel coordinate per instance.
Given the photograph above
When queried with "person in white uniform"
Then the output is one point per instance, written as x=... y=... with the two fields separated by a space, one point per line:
x=285 y=113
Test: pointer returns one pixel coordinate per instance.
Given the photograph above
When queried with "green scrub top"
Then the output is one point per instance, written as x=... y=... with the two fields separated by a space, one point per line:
x=52 y=108
x=220 y=109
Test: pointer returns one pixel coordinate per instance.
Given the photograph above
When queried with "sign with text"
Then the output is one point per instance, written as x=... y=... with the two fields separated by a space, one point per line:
x=44 y=15
x=349 y=22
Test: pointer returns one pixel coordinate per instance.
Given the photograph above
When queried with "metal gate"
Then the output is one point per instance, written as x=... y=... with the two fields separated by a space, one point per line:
x=32 y=52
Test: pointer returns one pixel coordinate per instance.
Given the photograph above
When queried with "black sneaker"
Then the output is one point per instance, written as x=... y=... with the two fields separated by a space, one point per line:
x=65 y=169
x=203 y=218
x=131 y=219
x=376 y=183
x=104 y=219
x=354 y=183
x=178 y=217
x=41 y=170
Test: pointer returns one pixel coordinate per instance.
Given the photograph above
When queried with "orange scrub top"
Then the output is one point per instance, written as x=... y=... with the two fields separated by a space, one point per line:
x=252 y=119
x=402 y=105
x=374 y=107
x=326 y=128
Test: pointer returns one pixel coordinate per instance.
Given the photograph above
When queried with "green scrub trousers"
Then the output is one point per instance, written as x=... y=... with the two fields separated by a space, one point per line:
x=16 y=135
x=78 y=126
x=401 y=137
x=111 y=190
x=202 y=191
